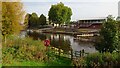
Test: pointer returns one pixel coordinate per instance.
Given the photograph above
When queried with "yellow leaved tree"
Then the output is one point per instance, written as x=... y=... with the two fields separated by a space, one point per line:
x=12 y=17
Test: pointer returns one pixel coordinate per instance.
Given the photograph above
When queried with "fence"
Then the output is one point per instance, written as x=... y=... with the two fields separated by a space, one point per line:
x=69 y=54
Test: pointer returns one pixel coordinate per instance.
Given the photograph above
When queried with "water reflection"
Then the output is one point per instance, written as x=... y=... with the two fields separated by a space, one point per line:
x=60 y=42
x=64 y=42
x=37 y=36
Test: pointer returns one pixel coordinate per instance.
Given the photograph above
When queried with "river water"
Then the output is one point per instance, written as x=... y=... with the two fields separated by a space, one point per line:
x=65 y=42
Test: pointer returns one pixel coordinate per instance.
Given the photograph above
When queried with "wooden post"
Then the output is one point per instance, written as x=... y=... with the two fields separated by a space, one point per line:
x=83 y=52
x=71 y=54
x=75 y=54
x=80 y=53
x=59 y=46
x=48 y=52
x=59 y=52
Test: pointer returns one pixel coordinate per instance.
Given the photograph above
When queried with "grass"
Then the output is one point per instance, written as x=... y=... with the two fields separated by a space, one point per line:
x=26 y=63
x=85 y=30
x=0 y=65
x=28 y=52
x=59 y=61
x=71 y=30
x=56 y=60
x=17 y=50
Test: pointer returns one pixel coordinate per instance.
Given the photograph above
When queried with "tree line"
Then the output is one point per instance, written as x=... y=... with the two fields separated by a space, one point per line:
x=32 y=20
x=58 y=14
x=13 y=16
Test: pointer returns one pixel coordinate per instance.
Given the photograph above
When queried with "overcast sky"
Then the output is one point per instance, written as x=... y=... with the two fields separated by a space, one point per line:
x=70 y=0
x=81 y=8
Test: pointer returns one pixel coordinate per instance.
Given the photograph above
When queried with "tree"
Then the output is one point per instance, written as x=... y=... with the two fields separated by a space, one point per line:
x=27 y=20
x=60 y=14
x=12 y=16
x=33 y=20
x=42 y=20
x=109 y=36
x=118 y=25
x=0 y=17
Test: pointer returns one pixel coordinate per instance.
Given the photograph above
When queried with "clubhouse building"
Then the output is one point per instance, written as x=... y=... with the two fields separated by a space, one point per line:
x=90 y=23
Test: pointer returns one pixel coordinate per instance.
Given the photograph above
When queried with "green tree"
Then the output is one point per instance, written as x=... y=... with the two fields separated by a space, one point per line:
x=60 y=14
x=109 y=36
x=42 y=20
x=33 y=20
x=118 y=25
x=12 y=16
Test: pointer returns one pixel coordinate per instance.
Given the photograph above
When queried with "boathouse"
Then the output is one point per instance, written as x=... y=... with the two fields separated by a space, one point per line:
x=90 y=23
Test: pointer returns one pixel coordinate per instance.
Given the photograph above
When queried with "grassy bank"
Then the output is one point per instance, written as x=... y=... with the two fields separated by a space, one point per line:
x=22 y=49
x=28 y=52
x=26 y=63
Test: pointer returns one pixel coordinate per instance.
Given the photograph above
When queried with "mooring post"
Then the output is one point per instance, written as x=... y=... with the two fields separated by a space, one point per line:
x=75 y=54
x=83 y=52
x=71 y=54
x=59 y=46
x=59 y=52
x=80 y=54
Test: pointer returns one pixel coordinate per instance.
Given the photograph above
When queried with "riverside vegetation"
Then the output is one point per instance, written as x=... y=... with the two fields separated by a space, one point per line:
x=27 y=52
x=22 y=49
x=99 y=60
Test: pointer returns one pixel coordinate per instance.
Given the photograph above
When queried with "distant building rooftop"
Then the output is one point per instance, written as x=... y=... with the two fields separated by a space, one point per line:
x=93 y=18
x=94 y=23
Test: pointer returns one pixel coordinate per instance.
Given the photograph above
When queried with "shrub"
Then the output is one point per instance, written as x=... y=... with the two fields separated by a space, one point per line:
x=21 y=49
x=93 y=60
x=101 y=60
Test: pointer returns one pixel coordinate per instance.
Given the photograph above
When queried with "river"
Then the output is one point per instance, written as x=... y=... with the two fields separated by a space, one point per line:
x=65 y=42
